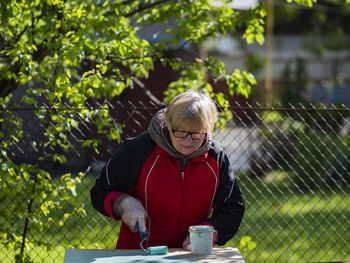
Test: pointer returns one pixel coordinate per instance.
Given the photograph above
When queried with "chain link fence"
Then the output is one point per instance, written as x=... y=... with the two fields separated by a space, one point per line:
x=293 y=165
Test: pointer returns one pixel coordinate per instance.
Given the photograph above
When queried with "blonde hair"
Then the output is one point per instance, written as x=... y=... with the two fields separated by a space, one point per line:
x=192 y=108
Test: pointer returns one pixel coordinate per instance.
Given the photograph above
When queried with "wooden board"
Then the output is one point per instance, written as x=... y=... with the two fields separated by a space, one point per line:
x=222 y=255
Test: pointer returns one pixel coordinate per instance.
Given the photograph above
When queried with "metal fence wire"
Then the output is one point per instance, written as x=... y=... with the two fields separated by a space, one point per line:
x=292 y=164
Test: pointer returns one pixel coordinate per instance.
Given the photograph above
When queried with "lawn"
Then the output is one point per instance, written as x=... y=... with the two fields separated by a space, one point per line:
x=287 y=225
x=291 y=226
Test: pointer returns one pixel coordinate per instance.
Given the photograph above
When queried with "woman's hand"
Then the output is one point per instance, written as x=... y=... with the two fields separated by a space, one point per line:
x=131 y=211
x=187 y=243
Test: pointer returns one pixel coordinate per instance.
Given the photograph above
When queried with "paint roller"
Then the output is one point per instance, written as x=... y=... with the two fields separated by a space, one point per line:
x=156 y=250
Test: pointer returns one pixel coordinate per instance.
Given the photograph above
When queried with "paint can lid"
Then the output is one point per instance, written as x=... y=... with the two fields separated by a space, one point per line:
x=200 y=228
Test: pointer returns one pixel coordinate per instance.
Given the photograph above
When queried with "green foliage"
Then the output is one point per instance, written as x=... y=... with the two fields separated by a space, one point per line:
x=255 y=24
x=29 y=198
x=323 y=29
x=67 y=52
x=246 y=243
x=275 y=123
x=278 y=133
x=308 y=3
x=317 y=156
x=321 y=160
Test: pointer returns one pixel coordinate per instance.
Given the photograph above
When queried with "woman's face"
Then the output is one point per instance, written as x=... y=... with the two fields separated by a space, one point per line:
x=186 y=140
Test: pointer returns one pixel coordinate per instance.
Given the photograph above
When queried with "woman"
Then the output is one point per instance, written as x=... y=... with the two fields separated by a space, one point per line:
x=170 y=177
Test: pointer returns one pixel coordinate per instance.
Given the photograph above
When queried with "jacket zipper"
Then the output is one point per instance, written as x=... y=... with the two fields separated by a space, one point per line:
x=182 y=200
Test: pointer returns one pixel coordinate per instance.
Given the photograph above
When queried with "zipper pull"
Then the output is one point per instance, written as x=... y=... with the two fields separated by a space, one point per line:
x=182 y=174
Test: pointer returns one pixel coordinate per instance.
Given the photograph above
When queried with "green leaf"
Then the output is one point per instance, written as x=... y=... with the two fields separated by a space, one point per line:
x=246 y=243
x=103 y=69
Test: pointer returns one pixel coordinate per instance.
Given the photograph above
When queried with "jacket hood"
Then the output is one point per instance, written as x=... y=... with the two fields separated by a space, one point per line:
x=160 y=134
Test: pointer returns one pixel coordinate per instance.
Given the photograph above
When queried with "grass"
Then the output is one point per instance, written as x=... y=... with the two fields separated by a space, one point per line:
x=290 y=226
x=287 y=225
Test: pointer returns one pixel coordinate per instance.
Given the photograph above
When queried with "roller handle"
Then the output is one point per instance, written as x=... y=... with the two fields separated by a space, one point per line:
x=143 y=235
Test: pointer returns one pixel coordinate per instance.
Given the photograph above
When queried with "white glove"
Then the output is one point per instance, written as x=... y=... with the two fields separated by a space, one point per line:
x=131 y=211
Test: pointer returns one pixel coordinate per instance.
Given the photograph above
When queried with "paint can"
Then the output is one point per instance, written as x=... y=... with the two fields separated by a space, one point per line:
x=201 y=237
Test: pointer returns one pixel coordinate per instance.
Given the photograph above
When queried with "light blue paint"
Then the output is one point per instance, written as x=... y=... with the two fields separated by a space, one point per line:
x=112 y=256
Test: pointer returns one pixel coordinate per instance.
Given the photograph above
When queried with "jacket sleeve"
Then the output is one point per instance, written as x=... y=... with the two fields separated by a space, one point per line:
x=120 y=174
x=228 y=203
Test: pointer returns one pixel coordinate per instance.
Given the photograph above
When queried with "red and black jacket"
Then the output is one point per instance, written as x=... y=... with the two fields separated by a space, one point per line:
x=204 y=192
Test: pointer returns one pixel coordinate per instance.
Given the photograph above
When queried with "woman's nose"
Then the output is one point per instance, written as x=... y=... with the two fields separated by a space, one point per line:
x=188 y=138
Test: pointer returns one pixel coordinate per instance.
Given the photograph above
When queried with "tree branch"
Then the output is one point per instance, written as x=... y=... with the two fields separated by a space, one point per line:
x=145 y=7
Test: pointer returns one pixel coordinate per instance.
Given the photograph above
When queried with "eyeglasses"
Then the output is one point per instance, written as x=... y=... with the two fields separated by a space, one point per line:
x=196 y=136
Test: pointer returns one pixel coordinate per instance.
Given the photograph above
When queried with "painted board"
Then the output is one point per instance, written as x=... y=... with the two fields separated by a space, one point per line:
x=222 y=255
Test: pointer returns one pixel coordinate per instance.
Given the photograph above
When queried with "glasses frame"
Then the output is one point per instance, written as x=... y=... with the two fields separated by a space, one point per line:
x=189 y=133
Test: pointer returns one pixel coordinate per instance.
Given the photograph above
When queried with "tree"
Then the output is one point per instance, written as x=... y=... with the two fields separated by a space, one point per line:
x=292 y=88
x=325 y=17
x=325 y=27
x=81 y=49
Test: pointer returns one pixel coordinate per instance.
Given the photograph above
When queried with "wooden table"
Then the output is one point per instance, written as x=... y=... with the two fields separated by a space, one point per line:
x=220 y=254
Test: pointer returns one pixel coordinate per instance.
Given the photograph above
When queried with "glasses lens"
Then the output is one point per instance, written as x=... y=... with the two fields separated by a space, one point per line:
x=198 y=136
x=180 y=134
